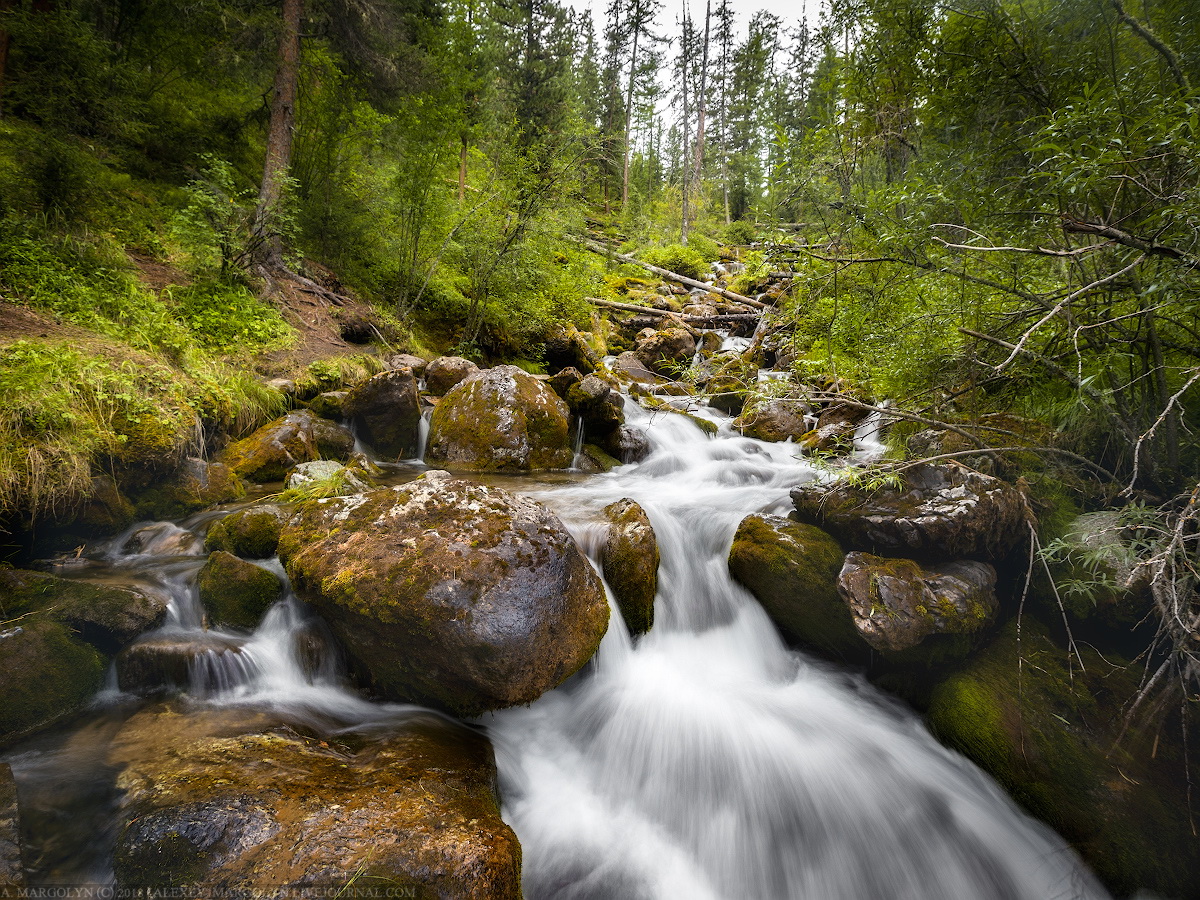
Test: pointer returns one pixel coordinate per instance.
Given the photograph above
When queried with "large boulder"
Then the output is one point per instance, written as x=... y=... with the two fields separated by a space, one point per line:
x=1062 y=735
x=791 y=568
x=836 y=427
x=774 y=420
x=668 y=351
x=231 y=801
x=448 y=592
x=567 y=347
x=897 y=604
x=936 y=512
x=235 y=592
x=503 y=420
x=629 y=559
x=446 y=372
x=630 y=367
x=12 y=870
x=298 y=437
x=197 y=484
x=386 y=411
x=252 y=532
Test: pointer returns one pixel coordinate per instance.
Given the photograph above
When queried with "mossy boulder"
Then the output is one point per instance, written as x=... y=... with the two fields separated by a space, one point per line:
x=235 y=592
x=448 y=592
x=937 y=512
x=629 y=559
x=502 y=420
x=252 y=533
x=177 y=662
x=12 y=869
x=48 y=674
x=1047 y=729
x=629 y=367
x=910 y=612
x=446 y=372
x=774 y=420
x=330 y=405
x=668 y=351
x=298 y=437
x=567 y=347
x=196 y=484
x=791 y=568
x=233 y=801
x=105 y=511
x=327 y=477
x=835 y=429
x=386 y=411
x=104 y=616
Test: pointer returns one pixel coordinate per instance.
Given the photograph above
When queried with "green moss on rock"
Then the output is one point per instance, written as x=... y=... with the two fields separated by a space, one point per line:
x=235 y=592
x=250 y=533
x=629 y=558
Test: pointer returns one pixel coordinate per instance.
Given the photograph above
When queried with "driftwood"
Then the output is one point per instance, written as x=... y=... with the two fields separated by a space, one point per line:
x=731 y=296
x=703 y=321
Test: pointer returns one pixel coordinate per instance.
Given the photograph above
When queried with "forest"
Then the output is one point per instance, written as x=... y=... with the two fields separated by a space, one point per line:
x=976 y=217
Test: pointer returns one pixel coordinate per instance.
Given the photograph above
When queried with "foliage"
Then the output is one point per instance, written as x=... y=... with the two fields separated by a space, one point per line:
x=228 y=317
x=678 y=258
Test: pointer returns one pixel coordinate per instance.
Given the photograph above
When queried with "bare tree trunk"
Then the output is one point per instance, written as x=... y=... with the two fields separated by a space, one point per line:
x=685 y=168
x=637 y=30
x=462 y=169
x=702 y=102
x=4 y=42
x=279 y=136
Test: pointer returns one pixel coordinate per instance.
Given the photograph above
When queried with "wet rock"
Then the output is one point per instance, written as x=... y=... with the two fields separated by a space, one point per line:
x=330 y=405
x=668 y=351
x=235 y=592
x=445 y=372
x=836 y=427
x=775 y=420
x=568 y=347
x=215 y=801
x=629 y=558
x=1052 y=732
x=12 y=871
x=106 y=617
x=448 y=592
x=630 y=444
x=48 y=674
x=330 y=475
x=276 y=447
x=593 y=459
x=600 y=408
x=937 y=512
x=630 y=366
x=897 y=604
x=407 y=361
x=196 y=485
x=175 y=662
x=162 y=539
x=792 y=569
x=105 y=512
x=562 y=381
x=386 y=411
x=501 y=420
x=252 y=533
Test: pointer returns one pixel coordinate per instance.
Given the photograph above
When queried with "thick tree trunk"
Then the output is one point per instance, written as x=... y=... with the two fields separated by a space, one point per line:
x=279 y=137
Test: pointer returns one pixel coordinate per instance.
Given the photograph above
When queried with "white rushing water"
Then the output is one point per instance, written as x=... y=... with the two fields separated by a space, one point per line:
x=707 y=760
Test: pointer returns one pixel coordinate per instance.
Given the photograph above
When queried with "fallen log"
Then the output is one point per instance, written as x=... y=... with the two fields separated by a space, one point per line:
x=703 y=321
x=731 y=296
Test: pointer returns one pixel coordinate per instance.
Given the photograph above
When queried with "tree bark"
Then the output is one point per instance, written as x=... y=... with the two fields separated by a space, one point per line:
x=462 y=169
x=279 y=137
x=702 y=101
x=637 y=31
x=685 y=49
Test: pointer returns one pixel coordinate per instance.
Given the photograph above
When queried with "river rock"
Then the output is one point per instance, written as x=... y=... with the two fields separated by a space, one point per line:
x=898 y=604
x=176 y=661
x=252 y=533
x=668 y=351
x=407 y=361
x=504 y=420
x=235 y=592
x=629 y=559
x=386 y=411
x=937 y=512
x=791 y=569
x=105 y=511
x=215 y=802
x=568 y=347
x=332 y=477
x=12 y=871
x=104 y=616
x=276 y=447
x=162 y=539
x=1052 y=732
x=448 y=592
x=629 y=444
x=445 y=372
x=330 y=405
x=47 y=672
x=774 y=420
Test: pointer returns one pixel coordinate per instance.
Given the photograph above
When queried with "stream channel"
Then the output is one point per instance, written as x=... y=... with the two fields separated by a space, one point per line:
x=704 y=760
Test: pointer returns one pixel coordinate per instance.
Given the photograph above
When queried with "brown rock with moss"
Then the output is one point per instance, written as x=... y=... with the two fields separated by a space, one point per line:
x=666 y=352
x=12 y=870
x=172 y=662
x=105 y=511
x=278 y=446
x=448 y=592
x=897 y=604
x=1051 y=730
x=792 y=569
x=629 y=558
x=235 y=592
x=231 y=800
x=567 y=347
x=446 y=372
x=197 y=484
x=936 y=512
x=503 y=420
x=252 y=533
x=835 y=430
x=386 y=410
x=774 y=420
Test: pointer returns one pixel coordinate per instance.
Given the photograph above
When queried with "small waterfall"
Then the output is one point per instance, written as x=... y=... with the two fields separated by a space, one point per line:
x=577 y=455
x=423 y=434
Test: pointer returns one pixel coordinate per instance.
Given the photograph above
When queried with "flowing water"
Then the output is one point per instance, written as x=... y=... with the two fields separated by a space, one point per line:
x=703 y=760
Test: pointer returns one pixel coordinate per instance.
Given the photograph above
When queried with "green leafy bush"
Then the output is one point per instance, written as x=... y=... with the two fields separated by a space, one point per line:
x=227 y=317
x=679 y=259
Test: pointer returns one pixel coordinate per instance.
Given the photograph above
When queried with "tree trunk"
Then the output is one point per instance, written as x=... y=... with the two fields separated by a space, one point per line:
x=685 y=168
x=279 y=137
x=702 y=102
x=462 y=169
x=637 y=30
